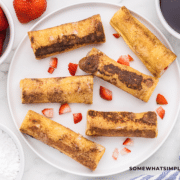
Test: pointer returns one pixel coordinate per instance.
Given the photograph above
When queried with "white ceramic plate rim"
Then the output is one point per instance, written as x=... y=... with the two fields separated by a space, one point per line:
x=82 y=174
x=19 y=146
x=163 y=21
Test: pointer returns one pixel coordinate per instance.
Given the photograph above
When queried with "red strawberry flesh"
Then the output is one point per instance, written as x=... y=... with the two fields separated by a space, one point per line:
x=72 y=68
x=3 y=21
x=105 y=93
x=27 y=10
x=161 y=112
x=53 y=62
x=125 y=151
x=160 y=99
x=124 y=60
x=50 y=70
x=48 y=112
x=77 y=117
x=128 y=142
x=65 y=108
x=116 y=35
x=115 y=154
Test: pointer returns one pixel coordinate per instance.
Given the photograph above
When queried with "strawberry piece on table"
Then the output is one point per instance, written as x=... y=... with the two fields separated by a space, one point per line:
x=28 y=10
x=48 y=112
x=65 y=108
x=50 y=70
x=105 y=93
x=160 y=99
x=72 y=68
x=53 y=62
x=128 y=142
x=3 y=21
x=124 y=60
x=115 y=154
x=125 y=151
x=2 y=38
x=161 y=112
x=116 y=35
x=77 y=117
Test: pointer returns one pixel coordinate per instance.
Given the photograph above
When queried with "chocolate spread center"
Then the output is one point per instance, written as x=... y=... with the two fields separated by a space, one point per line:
x=149 y=118
x=89 y=64
x=69 y=41
x=130 y=79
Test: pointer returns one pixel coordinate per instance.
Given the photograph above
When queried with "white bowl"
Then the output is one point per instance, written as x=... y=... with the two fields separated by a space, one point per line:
x=19 y=147
x=163 y=21
x=8 y=43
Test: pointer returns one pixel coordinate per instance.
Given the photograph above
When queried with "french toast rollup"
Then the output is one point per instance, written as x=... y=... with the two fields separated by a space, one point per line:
x=72 y=89
x=149 y=49
x=84 y=151
x=122 y=76
x=126 y=124
x=66 y=37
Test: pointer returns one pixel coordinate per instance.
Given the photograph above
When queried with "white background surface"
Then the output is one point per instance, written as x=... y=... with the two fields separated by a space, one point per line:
x=36 y=168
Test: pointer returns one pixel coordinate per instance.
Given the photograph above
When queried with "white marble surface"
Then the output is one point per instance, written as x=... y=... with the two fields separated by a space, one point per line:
x=36 y=168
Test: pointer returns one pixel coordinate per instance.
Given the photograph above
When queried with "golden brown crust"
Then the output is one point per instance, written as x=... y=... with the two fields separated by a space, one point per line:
x=124 y=77
x=73 y=89
x=155 y=56
x=66 y=37
x=126 y=124
x=63 y=139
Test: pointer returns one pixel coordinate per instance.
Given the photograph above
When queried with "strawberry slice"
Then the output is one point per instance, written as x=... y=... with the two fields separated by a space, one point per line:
x=72 y=68
x=125 y=151
x=105 y=93
x=116 y=35
x=48 y=112
x=115 y=154
x=128 y=142
x=65 y=108
x=161 y=112
x=50 y=70
x=160 y=99
x=130 y=58
x=124 y=60
x=53 y=62
x=77 y=117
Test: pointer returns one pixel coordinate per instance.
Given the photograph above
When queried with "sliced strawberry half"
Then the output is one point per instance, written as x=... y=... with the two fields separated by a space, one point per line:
x=72 y=68
x=115 y=154
x=128 y=142
x=124 y=60
x=50 y=70
x=116 y=35
x=65 y=108
x=160 y=99
x=105 y=93
x=48 y=112
x=53 y=62
x=77 y=117
x=125 y=151
x=161 y=112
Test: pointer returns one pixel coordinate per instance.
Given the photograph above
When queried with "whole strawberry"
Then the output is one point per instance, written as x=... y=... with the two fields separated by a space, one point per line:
x=3 y=21
x=28 y=10
x=2 y=38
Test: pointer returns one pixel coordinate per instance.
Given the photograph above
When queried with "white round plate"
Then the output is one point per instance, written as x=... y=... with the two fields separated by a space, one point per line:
x=24 y=65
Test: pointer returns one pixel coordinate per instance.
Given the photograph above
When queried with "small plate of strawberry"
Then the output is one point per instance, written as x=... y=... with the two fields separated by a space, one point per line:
x=6 y=32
